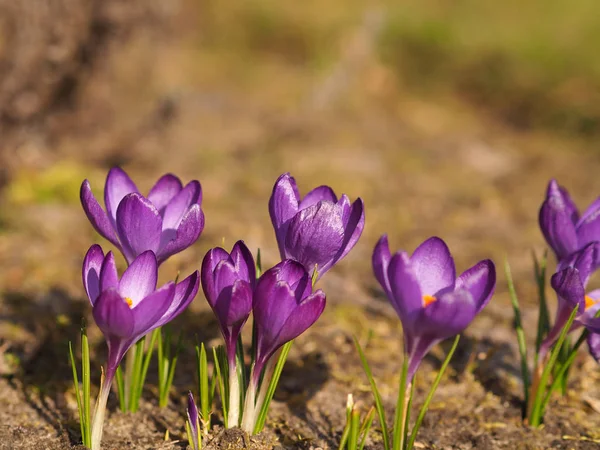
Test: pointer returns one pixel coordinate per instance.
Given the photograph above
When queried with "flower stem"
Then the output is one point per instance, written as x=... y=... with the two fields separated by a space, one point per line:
x=401 y=408
x=249 y=416
x=233 y=415
x=100 y=409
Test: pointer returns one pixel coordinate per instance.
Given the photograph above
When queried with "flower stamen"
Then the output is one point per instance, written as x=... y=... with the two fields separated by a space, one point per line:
x=428 y=299
x=129 y=302
x=589 y=302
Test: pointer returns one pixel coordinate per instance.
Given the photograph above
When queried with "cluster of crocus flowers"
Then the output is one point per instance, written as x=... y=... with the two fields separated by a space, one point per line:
x=147 y=230
x=313 y=234
x=433 y=305
x=575 y=241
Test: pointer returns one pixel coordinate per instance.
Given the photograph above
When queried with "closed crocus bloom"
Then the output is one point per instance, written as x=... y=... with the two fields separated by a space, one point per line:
x=316 y=230
x=432 y=303
x=195 y=439
x=168 y=221
x=565 y=230
x=570 y=287
x=284 y=307
x=228 y=280
x=127 y=308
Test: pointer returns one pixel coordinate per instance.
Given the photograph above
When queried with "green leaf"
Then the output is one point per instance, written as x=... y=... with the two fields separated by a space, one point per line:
x=264 y=408
x=423 y=411
x=520 y=334
x=537 y=412
x=377 y=397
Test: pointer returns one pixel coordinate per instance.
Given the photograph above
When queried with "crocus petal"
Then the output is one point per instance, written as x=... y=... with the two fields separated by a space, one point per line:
x=150 y=310
x=381 y=260
x=167 y=187
x=590 y=322
x=179 y=205
x=96 y=215
x=556 y=222
x=212 y=258
x=480 y=281
x=118 y=185
x=234 y=304
x=113 y=316
x=433 y=266
x=588 y=229
x=139 y=226
x=283 y=205
x=554 y=189
x=449 y=315
x=139 y=279
x=586 y=261
x=321 y=193
x=315 y=235
x=569 y=288
x=185 y=292
x=188 y=232
x=274 y=303
x=302 y=317
x=223 y=276
x=244 y=262
x=593 y=341
x=407 y=297
x=295 y=275
x=109 y=277
x=354 y=224
x=92 y=265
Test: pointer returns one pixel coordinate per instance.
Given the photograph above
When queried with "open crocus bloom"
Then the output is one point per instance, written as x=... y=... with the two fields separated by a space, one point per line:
x=570 y=286
x=228 y=280
x=318 y=230
x=284 y=308
x=167 y=221
x=128 y=308
x=565 y=230
x=432 y=303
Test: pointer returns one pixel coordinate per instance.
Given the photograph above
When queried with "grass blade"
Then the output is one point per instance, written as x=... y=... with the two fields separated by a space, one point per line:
x=520 y=335
x=78 y=394
x=220 y=358
x=376 y=395
x=85 y=379
x=543 y=316
x=262 y=417
x=366 y=427
x=400 y=416
x=537 y=412
x=438 y=378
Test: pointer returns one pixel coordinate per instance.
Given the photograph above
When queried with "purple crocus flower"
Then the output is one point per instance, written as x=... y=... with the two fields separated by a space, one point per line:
x=127 y=308
x=565 y=230
x=228 y=280
x=570 y=285
x=167 y=221
x=432 y=303
x=316 y=230
x=284 y=308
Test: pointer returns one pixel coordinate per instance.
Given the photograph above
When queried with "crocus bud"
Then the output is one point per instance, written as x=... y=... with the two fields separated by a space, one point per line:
x=194 y=423
x=432 y=303
x=318 y=230
x=168 y=221
x=564 y=229
x=284 y=308
x=228 y=280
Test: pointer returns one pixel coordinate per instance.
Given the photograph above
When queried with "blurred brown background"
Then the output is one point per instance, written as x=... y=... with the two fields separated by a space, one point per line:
x=446 y=117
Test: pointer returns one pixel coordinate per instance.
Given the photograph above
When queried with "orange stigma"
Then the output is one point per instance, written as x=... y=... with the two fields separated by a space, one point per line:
x=129 y=302
x=428 y=299
x=589 y=302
